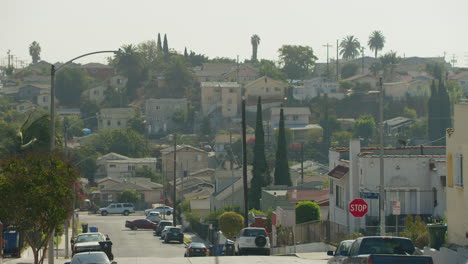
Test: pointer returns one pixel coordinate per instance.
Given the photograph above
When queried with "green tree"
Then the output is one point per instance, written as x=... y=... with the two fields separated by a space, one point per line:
x=260 y=173
x=205 y=127
x=124 y=142
x=231 y=223
x=375 y=68
x=138 y=124
x=128 y=196
x=165 y=45
x=415 y=230
x=434 y=115
x=35 y=52
x=179 y=77
x=255 y=41
x=268 y=68
x=84 y=157
x=146 y=172
x=70 y=84
x=282 y=175
x=364 y=127
x=445 y=112
x=410 y=113
x=197 y=59
x=41 y=186
x=297 y=61
x=349 y=69
x=159 y=45
x=349 y=47
x=130 y=63
x=73 y=127
x=150 y=54
x=307 y=211
x=376 y=41
x=436 y=69
x=89 y=110
x=389 y=61
x=341 y=138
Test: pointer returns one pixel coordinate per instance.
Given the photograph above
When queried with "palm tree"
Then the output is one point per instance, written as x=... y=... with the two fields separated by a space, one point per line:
x=35 y=51
x=349 y=47
x=130 y=63
x=376 y=41
x=389 y=62
x=255 y=40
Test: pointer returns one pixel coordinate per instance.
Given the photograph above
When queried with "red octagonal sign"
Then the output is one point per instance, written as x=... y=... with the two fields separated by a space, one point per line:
x=358 y=207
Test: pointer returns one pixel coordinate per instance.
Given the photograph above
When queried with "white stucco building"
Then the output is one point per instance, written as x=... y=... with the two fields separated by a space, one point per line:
x=414 y=176
x=159 y=113
x=114 y=118
x=315 y=87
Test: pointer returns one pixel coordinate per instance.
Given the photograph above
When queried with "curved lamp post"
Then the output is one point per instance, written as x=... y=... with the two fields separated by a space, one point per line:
x=53 y=70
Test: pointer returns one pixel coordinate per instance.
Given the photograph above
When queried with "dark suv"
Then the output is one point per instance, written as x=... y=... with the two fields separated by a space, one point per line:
x=174 y=233
x=160 y=227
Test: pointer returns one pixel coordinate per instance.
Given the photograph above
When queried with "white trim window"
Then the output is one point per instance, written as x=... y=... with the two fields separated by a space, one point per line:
x=458 y=169
x=339 y=197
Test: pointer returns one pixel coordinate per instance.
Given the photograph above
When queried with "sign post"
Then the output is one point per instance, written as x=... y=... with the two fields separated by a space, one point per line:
x=396 y=210
x=358 y=207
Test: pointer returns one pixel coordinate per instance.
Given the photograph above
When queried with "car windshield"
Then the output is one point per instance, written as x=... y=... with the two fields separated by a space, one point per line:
x=90 y=258
x=197 y=245
x=175 y=229
x=343 y=248
x=253 y=232
x=386 y=246
x=89 y=238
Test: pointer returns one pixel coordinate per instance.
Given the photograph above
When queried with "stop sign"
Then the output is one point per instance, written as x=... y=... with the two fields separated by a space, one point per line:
x=358 y=207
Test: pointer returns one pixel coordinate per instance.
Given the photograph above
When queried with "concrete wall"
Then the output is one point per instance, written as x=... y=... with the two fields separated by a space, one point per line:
x=445 y=255
x=303 y=248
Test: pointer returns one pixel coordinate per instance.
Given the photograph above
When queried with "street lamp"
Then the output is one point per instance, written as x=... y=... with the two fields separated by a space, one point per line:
x=53 y=70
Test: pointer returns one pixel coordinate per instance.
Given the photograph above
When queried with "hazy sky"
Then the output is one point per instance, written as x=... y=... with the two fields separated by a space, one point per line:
x=68 y=28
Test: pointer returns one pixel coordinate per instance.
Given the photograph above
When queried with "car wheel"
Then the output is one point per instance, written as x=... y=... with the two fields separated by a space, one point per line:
x=166 y=240
x=125 y=213
x=168 y=213
x=104 y=213
x=134 y=228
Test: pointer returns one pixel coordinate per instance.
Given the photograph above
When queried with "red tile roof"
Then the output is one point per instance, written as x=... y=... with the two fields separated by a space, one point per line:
x=338 y=172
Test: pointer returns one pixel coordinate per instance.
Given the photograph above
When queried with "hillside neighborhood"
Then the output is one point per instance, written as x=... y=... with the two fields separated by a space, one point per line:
x=154 y=124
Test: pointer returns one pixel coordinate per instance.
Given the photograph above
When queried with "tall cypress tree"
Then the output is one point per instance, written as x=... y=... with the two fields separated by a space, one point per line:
x=261 y=177
x=282 y=176
x=445 y=113
x=185 y=53
x=433 y=120
x=159 y=47
x=165 y=45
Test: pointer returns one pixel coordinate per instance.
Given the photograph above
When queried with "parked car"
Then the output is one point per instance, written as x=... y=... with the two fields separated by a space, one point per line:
x=163 y=210
x=253 y=239
x=162 y=224
x=341 y=252
x=117 y=208
x=164 y=231
x=97 y=257
x=141 y=223
x=174 y=233
x=196 y=249
x=154 y=217
x=87 y=242
x=379 y=249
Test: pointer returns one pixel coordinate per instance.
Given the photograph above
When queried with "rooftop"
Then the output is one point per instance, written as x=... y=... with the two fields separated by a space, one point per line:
x=220 y=84
x=291 y=111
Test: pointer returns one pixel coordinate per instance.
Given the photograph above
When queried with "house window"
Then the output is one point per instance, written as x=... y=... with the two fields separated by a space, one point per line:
x=458 y=170
x=339 y=197
x=131 y=167
x=331 y=186
x=109 y=197
x=295 y=117
x=277 y=89
x=112 y=166
x=229 y=101
x=108 y=123
x=231 y=90
x=101 y=187
x=157 y=107
x=267 y=89
x=198 y=158
x=118 y=123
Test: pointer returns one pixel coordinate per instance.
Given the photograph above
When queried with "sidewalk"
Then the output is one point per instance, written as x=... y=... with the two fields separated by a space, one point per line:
x=195 y=238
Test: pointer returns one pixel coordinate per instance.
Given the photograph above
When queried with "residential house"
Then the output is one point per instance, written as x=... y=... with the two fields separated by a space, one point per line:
x=31 y=91
x=222 y=142
x=397 y=125
x=114 y=118
x=36 y=79
x=149 y=192
x=231 y=194
x=98 y=70
x=69 y=112
x=415 y=65
x=96 y=94
x=159 y=113
x=364 y=78
x=188 y=159
x=200 y=206
x=24 y=106
x=462 y=79
x=43 y=99
x=243 y=74
x=414 y=176
x=225 y=96
x=297 y=120
x=271 y=91
x=316 y=87
x=118 y=81
x=119 y=166
x=457 y=196
x=346 y=123
x=212 y=72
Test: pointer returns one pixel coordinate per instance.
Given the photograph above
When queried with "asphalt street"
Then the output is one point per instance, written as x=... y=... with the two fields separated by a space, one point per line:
x=132 y=244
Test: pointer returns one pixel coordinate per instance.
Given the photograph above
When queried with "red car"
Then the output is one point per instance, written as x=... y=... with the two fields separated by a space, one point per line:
x=141 y=223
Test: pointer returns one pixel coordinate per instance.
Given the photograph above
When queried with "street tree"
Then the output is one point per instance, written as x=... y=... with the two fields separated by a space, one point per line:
x=282 y=174
x=298 y=61
x=231 y=223
x=376 y=41
x=69 y=85
x=349 y=47
x=255 y=41
x=35 y=52
x=260 y=173
x=39 y=188
x=307 y=211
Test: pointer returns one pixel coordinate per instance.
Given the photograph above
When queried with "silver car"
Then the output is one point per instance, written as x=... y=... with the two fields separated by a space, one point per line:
x=96 y=257
x=341 y=253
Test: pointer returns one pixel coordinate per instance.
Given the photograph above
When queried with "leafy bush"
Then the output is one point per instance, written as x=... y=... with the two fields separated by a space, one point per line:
x=256 y=212
x=128 y=196
x=307 y=211
x=416 y=231
x=213 y=217
x=230 y=223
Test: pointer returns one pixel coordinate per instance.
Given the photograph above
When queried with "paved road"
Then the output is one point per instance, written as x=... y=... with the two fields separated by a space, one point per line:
x=128 y=243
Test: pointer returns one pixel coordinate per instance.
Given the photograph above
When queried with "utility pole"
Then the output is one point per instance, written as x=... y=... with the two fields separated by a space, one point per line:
x=174 y=215
x=244 y=164
x=231 y=166
x=382 y=179
x=328 y=68
x=453 y=60
x=302 y=164
x=362 y=59
x=9 y=58
x=50 y=255
x=337 y=62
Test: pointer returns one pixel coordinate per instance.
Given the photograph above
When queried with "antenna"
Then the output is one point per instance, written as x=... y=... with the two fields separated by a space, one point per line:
x=453 y=60
x=328 y=68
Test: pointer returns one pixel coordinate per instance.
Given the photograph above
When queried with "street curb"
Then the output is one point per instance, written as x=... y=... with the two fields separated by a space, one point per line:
x=286 y=255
